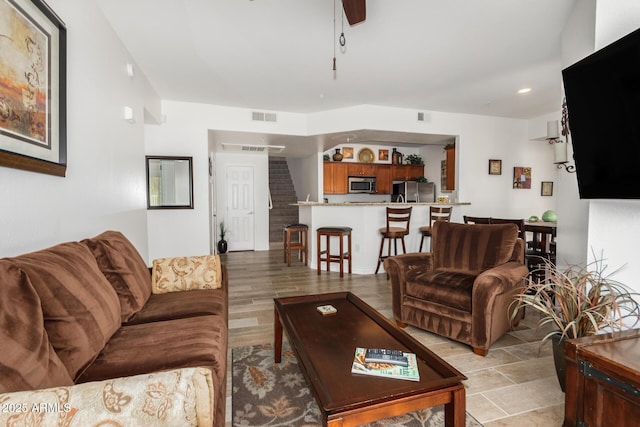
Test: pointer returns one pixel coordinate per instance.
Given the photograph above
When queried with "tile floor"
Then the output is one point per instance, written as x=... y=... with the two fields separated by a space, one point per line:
x=514 y=385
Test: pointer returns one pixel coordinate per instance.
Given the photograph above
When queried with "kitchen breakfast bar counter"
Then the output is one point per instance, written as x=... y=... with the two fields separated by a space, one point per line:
x=365 y=218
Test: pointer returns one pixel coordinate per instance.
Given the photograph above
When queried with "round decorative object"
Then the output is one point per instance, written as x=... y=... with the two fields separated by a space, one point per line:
x=550 y=216
x=366 y=155
x=222 y=246
x=533 y=218
x=337 y=157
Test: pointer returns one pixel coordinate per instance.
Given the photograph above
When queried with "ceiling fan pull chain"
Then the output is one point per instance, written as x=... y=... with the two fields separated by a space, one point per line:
x=342 y=40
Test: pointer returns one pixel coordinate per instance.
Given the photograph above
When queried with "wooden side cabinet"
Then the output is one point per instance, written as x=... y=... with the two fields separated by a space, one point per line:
x=335 y=178
x=450 y=179
x=603 y=380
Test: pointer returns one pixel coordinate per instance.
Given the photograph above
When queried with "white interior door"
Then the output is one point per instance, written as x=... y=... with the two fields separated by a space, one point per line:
x=240 y=218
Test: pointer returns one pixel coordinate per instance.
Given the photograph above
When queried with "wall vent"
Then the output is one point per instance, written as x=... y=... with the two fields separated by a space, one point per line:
x=261 y=116
x=255 y=148
x=423 y=117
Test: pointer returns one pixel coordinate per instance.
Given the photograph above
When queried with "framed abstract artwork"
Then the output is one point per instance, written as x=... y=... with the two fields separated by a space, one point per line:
x=347 y=152
x=32 y=87
x=522 y=177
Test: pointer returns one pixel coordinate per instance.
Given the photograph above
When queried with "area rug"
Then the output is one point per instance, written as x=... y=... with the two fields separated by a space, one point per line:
x=266 y=394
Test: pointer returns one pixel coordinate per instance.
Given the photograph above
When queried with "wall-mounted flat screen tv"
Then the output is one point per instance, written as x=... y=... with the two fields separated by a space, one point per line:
x=603 y=104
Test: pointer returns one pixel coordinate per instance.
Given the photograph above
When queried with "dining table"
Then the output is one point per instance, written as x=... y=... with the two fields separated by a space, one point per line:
x=543 y=235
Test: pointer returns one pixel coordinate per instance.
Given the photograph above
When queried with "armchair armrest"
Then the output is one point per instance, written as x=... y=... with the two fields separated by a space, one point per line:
x=186 y=274
x=492 y=294
x=170 y=398
x=401 y=267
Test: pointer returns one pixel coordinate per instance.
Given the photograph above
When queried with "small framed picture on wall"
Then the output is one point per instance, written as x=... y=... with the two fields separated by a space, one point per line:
x=495 y=167
x=547 y=188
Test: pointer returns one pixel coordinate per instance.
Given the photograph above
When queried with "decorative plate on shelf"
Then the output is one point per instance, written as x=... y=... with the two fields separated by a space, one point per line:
x=366 y=155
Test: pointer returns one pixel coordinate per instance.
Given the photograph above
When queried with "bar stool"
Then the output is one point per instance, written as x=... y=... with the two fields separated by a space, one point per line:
x=301 y=245
x=394 y=215
x=436 y=213
x=328 y=233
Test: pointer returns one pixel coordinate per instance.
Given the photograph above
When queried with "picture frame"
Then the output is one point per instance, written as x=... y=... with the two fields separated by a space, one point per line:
x=33 y=56
x=347 y=152
x=176 y=170
x=495 y=167
x=546 y=188
x=383 y=155
x=522 y=177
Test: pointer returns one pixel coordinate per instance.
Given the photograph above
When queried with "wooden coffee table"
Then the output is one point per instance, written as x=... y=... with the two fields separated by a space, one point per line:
x=325 y=346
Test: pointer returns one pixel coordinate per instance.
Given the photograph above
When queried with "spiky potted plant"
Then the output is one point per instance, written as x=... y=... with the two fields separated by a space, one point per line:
x=578 y=302
x=222 y=243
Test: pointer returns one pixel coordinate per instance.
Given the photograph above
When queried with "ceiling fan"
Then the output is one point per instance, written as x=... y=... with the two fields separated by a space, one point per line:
x=355 y=10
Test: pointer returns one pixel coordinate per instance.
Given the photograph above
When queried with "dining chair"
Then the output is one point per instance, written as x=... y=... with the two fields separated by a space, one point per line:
x=436 y=213
x=476 y=219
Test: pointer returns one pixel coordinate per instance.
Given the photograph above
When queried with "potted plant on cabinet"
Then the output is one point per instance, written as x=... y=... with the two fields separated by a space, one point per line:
x=222 y=243
x=414 y=159
x=578 y=302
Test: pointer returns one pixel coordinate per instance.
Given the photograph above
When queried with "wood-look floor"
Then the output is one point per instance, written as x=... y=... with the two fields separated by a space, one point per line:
x=514 y=385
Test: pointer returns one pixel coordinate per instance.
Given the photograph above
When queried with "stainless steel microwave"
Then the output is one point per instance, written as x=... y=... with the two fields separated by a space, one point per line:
x=362 y=184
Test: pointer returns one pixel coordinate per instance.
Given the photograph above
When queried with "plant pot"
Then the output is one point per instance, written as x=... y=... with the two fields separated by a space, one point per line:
x=559 y=359
x=222 y=246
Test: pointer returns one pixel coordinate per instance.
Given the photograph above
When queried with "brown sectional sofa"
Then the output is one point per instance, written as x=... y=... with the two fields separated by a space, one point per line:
x=82 y=330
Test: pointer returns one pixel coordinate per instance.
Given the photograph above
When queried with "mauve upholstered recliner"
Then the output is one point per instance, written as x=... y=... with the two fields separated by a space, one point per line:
x=463 y=289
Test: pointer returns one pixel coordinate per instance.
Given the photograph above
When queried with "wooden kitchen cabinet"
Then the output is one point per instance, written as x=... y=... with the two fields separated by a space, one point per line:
x=384 y=183
x=406 y=172
x=362 y=169
x=603 y=380
x=335 y=178
x=450 y=178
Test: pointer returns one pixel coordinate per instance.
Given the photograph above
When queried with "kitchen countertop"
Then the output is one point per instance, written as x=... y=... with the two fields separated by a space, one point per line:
x=378 y=204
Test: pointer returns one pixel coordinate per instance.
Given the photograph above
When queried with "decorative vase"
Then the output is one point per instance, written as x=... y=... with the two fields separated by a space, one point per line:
x=222 y=246
x=559 y=359
x=549 y=216
x=337 y=157
x=396 y=157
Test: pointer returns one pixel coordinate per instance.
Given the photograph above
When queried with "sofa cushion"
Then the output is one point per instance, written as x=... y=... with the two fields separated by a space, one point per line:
x=178 y=305
x=81 y=310
x=451 y=289
x=27 y=359
x=472 y=248
x=158 y=346
x=125 y=269
x=186 y=273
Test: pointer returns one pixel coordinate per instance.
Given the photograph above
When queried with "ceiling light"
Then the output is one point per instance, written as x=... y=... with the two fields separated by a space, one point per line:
x=524 y=90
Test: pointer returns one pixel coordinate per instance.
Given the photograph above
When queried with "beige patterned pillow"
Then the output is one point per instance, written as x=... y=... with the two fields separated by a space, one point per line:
x=186 y=273
x=181 y=397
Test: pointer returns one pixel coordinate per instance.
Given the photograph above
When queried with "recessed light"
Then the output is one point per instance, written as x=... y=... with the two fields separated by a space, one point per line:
x=524 y=90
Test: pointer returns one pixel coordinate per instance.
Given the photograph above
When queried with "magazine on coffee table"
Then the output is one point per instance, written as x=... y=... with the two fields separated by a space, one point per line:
x=387 y=370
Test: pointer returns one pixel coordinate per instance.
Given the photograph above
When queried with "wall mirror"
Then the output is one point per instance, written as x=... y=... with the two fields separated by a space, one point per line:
x=169 y=182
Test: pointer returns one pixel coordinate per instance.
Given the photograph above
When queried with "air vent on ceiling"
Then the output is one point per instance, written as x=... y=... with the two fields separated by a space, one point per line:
x=253 y=148
x=261 y=116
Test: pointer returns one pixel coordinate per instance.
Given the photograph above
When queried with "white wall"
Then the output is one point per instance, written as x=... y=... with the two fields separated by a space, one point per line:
x=304 y=173
x=105 y=183
x=180 y=232
x=613 y=225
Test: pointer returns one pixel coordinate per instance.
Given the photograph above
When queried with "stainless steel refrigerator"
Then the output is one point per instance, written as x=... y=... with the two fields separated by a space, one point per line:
x=412 y=191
